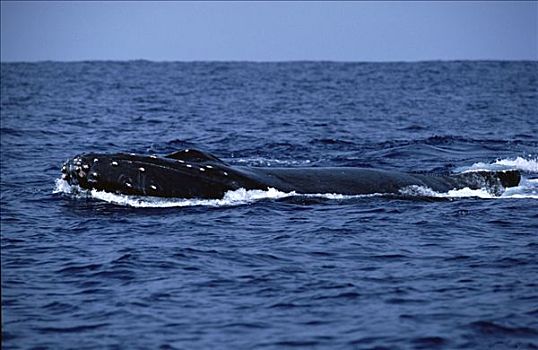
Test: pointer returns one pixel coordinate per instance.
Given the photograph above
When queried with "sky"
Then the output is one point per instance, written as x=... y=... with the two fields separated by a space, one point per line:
x=268 y=31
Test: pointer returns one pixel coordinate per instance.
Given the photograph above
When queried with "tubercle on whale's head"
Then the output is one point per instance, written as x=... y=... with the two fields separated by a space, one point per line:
x=147 y=175
x=76 y=171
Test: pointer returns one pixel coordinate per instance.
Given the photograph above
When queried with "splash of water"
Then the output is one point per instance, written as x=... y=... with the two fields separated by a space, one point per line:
x=529 y=165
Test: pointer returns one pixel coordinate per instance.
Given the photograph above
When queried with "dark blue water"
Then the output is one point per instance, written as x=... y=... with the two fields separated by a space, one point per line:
x=452 y=271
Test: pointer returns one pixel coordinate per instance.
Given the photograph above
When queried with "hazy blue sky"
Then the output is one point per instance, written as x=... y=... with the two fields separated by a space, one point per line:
x=268 y=31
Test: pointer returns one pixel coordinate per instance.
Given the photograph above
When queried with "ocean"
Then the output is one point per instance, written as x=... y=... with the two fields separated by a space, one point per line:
x=268 y=269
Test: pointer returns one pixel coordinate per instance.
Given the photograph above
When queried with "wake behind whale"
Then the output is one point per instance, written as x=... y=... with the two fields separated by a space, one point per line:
x=195 y=174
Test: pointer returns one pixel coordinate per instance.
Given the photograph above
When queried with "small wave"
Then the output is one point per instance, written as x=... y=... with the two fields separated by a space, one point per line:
x=527 y=189
x=529 y=165
x=231 y=198
x=422 y=191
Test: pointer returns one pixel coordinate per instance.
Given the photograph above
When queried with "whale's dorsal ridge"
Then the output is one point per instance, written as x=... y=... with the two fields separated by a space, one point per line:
x=193 y=155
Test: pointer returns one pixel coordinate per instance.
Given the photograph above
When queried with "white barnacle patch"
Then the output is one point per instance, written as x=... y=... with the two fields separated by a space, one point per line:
x=189 y=166
x=225 y=173
x=187 y=150
x=95 y=175
x=114 y=163
x=141 y=169
x=153 y=187
x=153 y=156
x=85 y=166
x=132 y=154
x=77 y=168
x=209 y=166
x=64 y=176
x=181 y=161
x=64 y=169
x=95 y=160
x=81 y=174
x=202 y=169
x=128 y=185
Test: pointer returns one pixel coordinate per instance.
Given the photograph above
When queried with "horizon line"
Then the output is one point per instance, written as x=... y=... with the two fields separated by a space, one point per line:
x=269 y=61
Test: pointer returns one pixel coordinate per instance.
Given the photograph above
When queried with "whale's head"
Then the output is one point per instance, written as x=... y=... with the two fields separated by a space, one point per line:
x=183 y=174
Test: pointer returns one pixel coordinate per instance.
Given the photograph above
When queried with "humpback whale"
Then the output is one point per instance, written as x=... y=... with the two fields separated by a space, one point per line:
x=193 y=173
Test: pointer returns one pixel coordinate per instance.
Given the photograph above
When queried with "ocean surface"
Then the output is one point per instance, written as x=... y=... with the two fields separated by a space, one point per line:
x=266 y=269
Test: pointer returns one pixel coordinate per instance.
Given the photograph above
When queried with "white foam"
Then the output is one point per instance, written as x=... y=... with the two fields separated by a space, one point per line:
x=231 y=198
x=529 y=165
x=62 y=186
x=466 y=193
x=527 y=189
x=422 y=191
x=341 y=196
